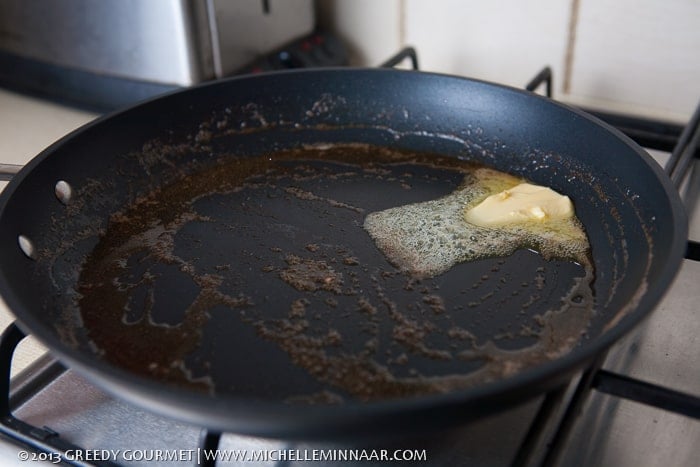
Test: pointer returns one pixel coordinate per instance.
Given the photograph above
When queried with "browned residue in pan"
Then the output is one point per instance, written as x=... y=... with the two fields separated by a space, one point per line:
x=326 y=283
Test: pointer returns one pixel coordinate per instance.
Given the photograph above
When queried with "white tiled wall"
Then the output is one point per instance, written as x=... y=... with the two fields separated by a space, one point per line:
x=639 y=56
x=371 y=28
x=503 y=40
x=630 y=51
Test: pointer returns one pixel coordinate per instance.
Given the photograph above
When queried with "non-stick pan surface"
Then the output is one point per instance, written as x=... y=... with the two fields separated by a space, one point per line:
x=209 y=260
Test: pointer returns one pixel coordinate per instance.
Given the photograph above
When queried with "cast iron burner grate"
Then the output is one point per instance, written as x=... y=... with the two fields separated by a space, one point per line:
x=560 y=408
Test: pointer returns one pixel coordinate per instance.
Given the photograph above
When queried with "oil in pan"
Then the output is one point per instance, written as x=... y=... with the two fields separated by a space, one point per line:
x=267 y=261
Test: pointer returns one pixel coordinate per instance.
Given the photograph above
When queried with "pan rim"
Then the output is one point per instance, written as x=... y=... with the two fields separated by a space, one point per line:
x=504 y=389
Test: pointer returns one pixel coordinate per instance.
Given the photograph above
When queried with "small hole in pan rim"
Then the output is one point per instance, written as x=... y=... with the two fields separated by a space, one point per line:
x=63 y=191
x=27 y=246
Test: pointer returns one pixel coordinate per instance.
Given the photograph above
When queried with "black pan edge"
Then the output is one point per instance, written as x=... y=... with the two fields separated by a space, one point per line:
x=352 y=419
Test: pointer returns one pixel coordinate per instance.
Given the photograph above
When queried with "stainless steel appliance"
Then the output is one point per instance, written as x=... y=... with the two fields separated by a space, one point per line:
x=110 y=52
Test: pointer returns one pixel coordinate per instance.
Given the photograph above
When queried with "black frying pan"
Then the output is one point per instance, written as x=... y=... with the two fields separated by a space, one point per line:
x=250 y=299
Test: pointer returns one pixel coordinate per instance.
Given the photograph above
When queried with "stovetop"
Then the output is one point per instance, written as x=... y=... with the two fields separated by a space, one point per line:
x=610 y=431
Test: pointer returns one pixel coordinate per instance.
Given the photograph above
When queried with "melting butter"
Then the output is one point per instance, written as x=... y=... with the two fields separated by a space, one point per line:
x=521 y=203
x=426 y=239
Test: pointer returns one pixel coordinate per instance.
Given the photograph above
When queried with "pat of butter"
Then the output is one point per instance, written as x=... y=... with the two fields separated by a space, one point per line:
x=524 y=202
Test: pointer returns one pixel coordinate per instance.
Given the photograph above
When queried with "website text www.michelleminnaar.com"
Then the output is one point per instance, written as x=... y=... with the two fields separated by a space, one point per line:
x=223 y=456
